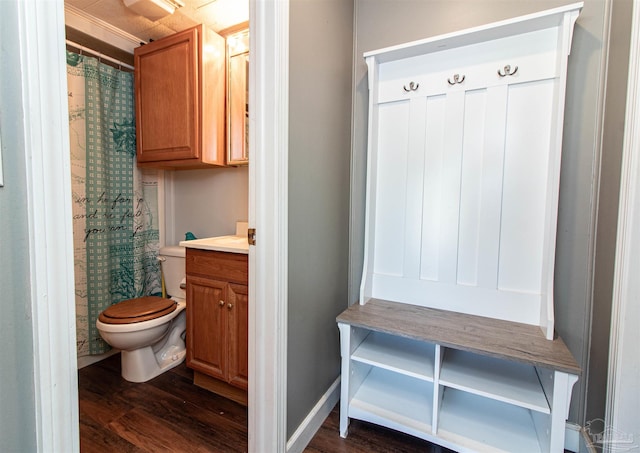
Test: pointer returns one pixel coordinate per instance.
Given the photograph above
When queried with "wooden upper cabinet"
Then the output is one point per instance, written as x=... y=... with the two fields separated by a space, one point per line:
x=180 y=100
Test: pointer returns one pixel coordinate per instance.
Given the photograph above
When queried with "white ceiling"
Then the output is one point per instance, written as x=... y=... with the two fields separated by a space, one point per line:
x=216 y=14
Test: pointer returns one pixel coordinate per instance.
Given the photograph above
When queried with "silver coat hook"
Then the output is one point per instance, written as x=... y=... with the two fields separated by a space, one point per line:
x=412 y=87
x=456 y=79
x=507 y=71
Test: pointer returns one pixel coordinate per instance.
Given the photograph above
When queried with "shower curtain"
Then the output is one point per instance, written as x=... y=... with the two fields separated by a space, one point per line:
x=115 y=204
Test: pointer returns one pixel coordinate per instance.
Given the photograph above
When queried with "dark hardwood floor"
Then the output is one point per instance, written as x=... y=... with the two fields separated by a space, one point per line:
x=170 y=414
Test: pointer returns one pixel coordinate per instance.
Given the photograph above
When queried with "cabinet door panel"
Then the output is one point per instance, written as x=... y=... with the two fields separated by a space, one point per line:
x=206 y=326
x=167 y=101
x=238 y=297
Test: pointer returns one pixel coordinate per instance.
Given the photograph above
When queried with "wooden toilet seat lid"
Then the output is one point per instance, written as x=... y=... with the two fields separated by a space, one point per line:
x=137 y=310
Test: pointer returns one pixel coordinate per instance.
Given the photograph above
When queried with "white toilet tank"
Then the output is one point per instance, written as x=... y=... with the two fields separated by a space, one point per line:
x=172 y=260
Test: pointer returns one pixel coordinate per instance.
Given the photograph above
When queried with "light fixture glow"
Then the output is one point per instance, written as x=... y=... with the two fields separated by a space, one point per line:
x=153 y=9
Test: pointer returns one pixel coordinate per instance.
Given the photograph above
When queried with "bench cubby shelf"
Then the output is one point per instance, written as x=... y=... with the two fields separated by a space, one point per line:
x=465 y=382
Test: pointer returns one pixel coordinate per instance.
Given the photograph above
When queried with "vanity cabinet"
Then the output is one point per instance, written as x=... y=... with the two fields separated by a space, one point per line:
x=180 y=100
x=217 y=321
x=453 y=338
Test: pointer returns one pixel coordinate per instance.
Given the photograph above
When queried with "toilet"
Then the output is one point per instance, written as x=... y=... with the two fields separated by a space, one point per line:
x=149 y=330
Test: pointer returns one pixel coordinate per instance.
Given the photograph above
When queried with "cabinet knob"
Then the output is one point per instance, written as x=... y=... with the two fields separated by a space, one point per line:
x=221 y=303
x=230 y=306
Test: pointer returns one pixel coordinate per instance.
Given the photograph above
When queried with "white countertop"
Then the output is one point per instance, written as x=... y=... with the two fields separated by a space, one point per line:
x=232 y=244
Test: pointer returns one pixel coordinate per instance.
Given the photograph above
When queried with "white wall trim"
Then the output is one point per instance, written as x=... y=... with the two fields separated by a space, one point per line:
x=268 y=202
x=572 y=437
x=314 y=419
x=167 y=209
x=45 y=109
x=623 y=358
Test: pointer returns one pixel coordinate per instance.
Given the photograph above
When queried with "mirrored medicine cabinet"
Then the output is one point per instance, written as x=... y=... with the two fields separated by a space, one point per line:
x=238 y=97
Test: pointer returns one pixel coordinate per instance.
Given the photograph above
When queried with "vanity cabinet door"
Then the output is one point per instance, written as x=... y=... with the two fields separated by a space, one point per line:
x=238 y=324
x=207 y=326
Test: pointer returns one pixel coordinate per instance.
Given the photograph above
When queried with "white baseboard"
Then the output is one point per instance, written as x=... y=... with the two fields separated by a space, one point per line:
x=313 y=421
x=91 y=359
x=572 y=437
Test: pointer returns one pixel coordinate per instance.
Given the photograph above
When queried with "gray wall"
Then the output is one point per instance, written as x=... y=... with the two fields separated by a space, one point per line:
x=209 y=202
x=381 y=23
x=320 y=46
x=17 y=405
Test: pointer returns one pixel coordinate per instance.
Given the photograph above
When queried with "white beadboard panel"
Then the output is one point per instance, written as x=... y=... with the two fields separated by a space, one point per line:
x=525 y=182
x=391 y=187
x=482 y=184
x=473 y=215
x=450 y=192
x=492 y=186
x=471 y=194
x=415 y=177
x=432 y=187
x=474 y=300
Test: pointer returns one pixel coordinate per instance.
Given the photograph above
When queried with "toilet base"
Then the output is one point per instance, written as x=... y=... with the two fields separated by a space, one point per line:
x=143 y=364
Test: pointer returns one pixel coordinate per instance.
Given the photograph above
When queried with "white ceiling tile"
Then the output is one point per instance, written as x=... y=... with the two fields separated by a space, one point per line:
x=158 y=31
x=217 y=15
x=178 y=21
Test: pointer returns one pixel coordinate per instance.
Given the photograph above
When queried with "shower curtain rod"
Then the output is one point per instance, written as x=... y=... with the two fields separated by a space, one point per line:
x=98 y=54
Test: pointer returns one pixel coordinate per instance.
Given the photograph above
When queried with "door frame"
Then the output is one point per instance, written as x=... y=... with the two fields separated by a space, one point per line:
x=42 y=44
x=624 y=364
x=268 y=203
x=44 y=112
